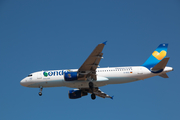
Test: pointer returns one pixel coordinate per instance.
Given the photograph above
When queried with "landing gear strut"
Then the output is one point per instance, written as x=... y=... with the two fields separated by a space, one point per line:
x=91 y=86
x=40 y=93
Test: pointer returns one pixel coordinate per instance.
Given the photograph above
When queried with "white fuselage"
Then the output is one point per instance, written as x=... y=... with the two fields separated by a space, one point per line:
x=105 y=76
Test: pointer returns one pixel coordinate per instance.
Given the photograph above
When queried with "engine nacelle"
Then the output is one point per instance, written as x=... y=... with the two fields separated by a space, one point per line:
x=70 y=76
x=74 y=94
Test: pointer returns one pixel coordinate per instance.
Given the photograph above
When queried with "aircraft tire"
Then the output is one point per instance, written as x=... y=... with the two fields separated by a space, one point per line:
x=40 y=93
x=93 y=96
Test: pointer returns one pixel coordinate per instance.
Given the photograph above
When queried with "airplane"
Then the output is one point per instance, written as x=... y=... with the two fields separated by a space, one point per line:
x=89 y=77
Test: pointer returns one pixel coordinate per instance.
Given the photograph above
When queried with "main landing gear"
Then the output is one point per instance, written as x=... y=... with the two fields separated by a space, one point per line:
x=91 y=86
x=40 y=93
x=93 y=96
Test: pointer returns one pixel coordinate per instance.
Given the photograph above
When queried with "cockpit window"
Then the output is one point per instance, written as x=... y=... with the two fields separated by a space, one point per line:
x=30 y=75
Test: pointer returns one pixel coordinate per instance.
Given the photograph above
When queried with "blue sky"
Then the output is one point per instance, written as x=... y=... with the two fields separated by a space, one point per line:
x=44 y=35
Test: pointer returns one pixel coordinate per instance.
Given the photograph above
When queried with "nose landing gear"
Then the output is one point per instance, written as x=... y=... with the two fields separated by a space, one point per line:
x=40 y=93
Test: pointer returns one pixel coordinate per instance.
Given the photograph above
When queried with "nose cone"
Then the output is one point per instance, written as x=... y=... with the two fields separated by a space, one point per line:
x=23 y=82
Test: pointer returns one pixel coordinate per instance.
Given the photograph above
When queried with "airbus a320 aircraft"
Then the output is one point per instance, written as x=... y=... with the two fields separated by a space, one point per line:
x=88 y=78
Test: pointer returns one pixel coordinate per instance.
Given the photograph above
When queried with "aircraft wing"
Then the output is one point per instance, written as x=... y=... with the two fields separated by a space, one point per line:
x=97 y=92
x=88 y=68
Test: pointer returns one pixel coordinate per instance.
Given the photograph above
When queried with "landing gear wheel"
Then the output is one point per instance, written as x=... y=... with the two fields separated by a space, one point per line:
x=40 y=93
x=93 y=96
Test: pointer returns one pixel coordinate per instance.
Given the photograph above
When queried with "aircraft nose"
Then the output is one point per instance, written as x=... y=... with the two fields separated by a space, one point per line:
x=23 y=82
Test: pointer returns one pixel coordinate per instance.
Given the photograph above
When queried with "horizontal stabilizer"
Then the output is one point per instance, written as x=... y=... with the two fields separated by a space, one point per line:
x=164 y=75
x=161 y=65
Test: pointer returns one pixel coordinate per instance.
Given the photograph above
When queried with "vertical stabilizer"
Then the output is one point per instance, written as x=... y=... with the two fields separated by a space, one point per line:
x=156 y=56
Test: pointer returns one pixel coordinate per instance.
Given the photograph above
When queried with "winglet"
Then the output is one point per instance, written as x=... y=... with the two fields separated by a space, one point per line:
x=104 y=42
x=112 y=97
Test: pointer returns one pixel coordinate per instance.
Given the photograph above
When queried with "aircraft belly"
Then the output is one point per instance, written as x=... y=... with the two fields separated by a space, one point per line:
x=120 y=80
x=47 y=83
x=54 y=83
x=84 y=84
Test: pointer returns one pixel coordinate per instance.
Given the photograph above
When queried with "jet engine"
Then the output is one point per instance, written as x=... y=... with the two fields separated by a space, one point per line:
x=70 y=76
x=74 y=94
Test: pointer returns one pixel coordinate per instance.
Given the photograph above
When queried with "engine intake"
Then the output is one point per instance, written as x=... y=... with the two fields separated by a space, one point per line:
x=74 y=94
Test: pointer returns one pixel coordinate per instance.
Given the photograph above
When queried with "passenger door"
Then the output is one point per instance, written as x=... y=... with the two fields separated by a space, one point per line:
x=39 y=75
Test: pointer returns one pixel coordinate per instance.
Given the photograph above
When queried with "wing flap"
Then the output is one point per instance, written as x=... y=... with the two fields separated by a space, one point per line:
x=101 y=94
x=97 y=92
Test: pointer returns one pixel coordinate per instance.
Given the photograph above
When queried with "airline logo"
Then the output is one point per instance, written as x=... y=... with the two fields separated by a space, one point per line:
x=45 y=74
x=159 y=55
x=54 y=73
